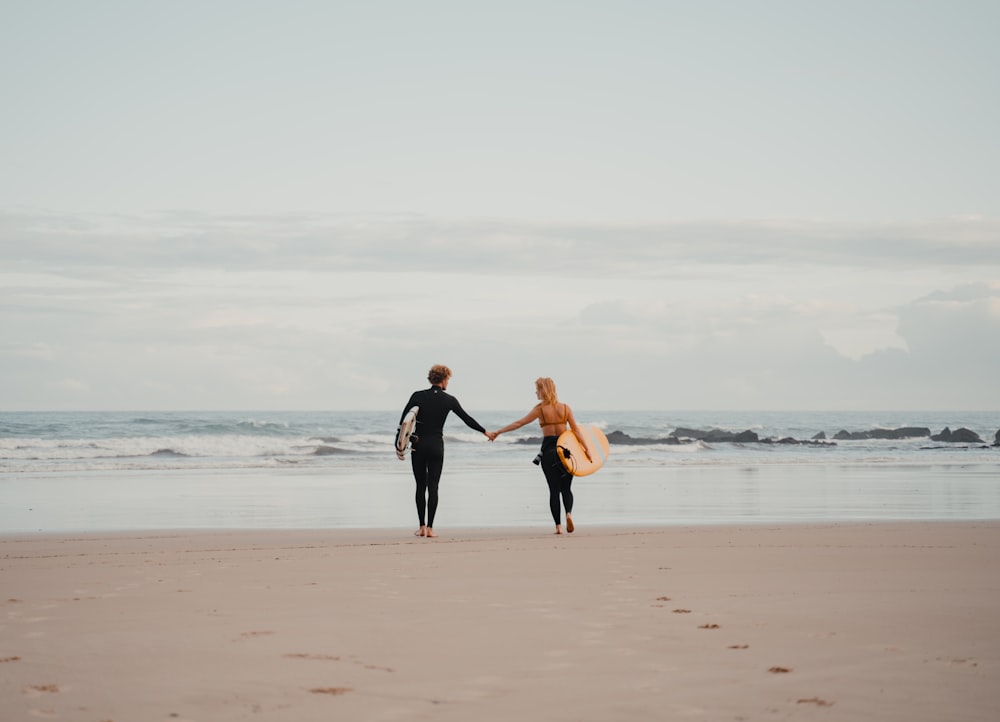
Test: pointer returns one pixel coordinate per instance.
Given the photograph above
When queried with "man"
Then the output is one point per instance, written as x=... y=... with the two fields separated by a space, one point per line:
x=427 y=455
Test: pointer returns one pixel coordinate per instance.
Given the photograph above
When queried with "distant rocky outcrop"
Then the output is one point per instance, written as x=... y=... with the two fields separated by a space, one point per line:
x=684 y=435
x=713 y=436
x=906 y=432
x=617 y=438
x=688 y=436
x=958 y=436
x=620 y=438
x=789 y=440
x=716 y=436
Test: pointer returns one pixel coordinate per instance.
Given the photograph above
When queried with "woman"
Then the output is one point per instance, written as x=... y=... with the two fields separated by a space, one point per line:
x=427 y=455
x=553 y=417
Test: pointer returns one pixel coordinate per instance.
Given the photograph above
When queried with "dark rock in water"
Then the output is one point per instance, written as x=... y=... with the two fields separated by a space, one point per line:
x=906 y=432
x=945 y=435
x=996 y=439
x=843 y=435
x=622 y=439
x=714 y=436
x=958 y=436
x=684 y=433
x=615 y=438
x=965 y=436
x=792 y=441
x=743 y=437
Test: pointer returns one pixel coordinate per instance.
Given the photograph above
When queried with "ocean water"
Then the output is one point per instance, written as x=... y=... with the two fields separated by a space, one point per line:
x=179 y=470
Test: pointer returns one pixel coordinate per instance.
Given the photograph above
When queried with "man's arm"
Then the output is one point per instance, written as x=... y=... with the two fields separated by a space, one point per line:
x=409 y=405
x=469 y=421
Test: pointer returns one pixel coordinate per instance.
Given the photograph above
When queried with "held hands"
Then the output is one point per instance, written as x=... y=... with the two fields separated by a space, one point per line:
x=491 y=435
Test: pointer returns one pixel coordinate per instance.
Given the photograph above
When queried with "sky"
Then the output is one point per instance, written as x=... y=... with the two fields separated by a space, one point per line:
x=661 y=205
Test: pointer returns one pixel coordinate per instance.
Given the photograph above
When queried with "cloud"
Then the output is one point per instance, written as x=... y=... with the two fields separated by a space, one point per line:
x=35 y=351
x=320 y=311
x=351 y=242
x=956 y=331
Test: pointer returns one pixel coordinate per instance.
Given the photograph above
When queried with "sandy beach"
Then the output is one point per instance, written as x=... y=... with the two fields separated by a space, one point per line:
x=883 y=621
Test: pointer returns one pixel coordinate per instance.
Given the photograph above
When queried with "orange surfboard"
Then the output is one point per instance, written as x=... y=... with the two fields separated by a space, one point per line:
x=571 y=453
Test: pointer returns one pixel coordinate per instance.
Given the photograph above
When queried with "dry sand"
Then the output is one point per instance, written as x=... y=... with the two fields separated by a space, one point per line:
x=835 y=622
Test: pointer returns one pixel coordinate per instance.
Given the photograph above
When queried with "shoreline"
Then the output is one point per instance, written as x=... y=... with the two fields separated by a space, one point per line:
x=392 y=535
x=497 y=498
x=829 y=621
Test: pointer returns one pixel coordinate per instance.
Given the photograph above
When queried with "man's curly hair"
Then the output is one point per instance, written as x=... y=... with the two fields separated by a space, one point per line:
x=438 y=373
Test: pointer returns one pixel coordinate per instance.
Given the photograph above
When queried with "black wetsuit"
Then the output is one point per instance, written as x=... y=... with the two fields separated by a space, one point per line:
x=427 y=455
x=559 y=480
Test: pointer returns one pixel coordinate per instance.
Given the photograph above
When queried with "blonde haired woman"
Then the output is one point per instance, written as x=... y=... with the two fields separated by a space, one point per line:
x=553 y=416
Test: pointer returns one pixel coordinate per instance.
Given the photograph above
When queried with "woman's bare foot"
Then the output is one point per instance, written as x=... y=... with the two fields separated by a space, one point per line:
x=430 y=532
x=422 y=531
x=569 y=524
x=558 y=529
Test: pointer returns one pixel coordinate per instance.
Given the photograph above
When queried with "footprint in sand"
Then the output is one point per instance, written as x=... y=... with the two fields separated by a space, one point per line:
x=816 y=701
x=708 y=626
x=779 y=670
x=331 y=690
x=366 y=665
x=36 y=690
x=332 y=658
x=263 y=633
x=303 y=655
x=970 y=662
x=682 y=611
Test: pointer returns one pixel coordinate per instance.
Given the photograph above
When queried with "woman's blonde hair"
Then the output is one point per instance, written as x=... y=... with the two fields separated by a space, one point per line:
x=438 y=373
x=547 y=387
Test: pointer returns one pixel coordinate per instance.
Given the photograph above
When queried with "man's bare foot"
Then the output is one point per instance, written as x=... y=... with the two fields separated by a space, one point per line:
x=558 y=529
x=422 y=531
x=569 y=524
x=430 y=532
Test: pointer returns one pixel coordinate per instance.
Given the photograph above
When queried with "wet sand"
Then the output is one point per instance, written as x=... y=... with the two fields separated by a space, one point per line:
x=882 y=621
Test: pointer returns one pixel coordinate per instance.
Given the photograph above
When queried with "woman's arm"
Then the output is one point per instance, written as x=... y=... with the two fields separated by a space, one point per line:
x=576 y=431
x=532 y=415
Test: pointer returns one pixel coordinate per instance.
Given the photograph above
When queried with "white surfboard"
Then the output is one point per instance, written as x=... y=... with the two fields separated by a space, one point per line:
x=405 y=432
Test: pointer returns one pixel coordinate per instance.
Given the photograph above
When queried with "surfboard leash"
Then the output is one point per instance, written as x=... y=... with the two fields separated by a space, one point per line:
x=568 y=455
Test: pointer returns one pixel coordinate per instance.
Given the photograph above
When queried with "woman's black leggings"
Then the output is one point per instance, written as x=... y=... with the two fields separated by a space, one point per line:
x=559 y=480
x=427 y=460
